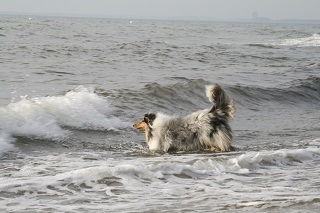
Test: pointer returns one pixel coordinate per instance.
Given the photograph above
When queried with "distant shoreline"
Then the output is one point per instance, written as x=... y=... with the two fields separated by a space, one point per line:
x=177 y=18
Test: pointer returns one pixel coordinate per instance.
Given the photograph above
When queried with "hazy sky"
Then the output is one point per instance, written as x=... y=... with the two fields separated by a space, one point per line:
x=220 y=9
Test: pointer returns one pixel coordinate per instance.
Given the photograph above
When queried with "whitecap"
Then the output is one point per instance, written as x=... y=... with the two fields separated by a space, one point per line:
x=266 y=159
x=46 y=117
x=310 y=41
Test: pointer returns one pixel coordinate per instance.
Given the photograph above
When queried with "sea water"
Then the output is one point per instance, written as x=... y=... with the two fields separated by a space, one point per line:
x=73 y=87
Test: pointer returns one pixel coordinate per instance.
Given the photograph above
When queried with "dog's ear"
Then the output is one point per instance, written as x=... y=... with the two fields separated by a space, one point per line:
x=149 y=118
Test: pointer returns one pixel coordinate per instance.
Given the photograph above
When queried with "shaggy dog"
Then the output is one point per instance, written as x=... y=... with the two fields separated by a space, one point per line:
x=207 y=129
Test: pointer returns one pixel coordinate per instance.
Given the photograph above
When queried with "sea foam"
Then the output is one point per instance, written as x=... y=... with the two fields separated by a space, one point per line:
x=47 y=117
x=163 y=177
x=310 y=41
x=266 y=159
x=134 y=174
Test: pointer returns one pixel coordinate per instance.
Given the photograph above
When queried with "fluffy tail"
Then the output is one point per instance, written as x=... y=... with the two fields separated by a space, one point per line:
x=222 y=104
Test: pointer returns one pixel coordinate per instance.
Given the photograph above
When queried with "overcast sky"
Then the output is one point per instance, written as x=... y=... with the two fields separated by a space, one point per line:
x=218 y=9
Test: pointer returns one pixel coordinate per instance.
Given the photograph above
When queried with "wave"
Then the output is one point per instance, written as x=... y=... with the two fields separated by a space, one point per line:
x=295 y=92
x=188 y=95
x=52 y=117
x=281 y=158
x=304 y=91
x=183 y=95
x=309 y=41
x=47 y=117
x=268 y=46
x=185 y=92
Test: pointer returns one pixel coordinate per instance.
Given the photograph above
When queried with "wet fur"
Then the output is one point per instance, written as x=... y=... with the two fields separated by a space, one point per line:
x=207 y=129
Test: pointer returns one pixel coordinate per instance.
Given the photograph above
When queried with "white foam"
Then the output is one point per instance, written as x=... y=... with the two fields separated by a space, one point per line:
x=69 y=177
x=254 y=161
x=81 y=108
x=45 y=117
x=310 y=41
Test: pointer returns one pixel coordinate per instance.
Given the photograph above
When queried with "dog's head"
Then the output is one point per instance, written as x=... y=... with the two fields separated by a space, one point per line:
x=146 y=123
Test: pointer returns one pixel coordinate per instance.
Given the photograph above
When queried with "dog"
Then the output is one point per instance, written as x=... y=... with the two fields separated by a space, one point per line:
x=206 y=129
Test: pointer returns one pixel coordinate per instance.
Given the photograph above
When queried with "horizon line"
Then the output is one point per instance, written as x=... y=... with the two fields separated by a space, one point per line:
x=166 y=18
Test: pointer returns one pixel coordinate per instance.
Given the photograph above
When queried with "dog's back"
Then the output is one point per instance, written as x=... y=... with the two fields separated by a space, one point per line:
x=205 y=129
x=210 y=129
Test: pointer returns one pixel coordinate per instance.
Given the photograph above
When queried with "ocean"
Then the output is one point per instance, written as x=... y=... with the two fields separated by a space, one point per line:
x=71 y=89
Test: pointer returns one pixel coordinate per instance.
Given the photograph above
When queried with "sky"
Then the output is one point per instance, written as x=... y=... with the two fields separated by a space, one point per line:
x=164 y=9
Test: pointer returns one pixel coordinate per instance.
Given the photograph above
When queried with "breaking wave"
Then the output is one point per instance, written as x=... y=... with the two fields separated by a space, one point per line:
x=47 y=117
x=310 y=41
x=52 y=117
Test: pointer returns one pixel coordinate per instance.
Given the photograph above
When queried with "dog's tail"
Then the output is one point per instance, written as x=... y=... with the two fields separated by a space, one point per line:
x=222 y=104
